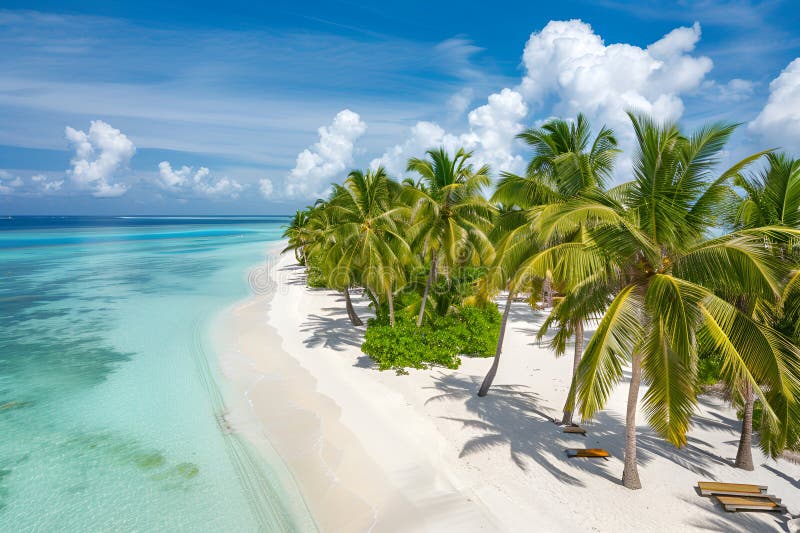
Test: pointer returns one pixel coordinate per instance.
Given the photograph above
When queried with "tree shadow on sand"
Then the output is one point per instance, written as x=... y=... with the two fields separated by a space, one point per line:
x=331 y=329
x=513 y=416
x=292 y=274
x=716 y=518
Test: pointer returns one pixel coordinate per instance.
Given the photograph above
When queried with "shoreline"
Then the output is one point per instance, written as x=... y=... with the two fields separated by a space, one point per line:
x=373 y=451
x=284 y=413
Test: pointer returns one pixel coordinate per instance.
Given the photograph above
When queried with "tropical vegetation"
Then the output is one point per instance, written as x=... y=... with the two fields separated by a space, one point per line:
x=688 y=273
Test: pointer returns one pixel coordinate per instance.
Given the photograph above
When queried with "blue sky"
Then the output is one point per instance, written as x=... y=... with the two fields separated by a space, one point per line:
x=244 y=107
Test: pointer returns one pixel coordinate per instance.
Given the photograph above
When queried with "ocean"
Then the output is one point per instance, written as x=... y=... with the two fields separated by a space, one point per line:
x=111 y=399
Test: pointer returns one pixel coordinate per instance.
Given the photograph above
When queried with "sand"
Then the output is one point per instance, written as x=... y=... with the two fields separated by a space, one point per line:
x=376 y=451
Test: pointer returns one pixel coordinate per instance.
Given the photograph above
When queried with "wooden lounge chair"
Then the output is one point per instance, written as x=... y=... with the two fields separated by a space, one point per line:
x=574 y=429
x=713 y=488
x=590 y=453
x=751 y=503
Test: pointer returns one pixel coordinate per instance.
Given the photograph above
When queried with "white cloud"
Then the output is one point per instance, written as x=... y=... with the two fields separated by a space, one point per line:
x=569 y=69
x=779 y=121
x=459 y=102
x=571 y=64
x=266 y=187
x=736 y=90
x=100 y=155
x=492 y=129
x=423 y=136
x=173 y=179
x=45 y=185
x=200 y=181
x=38 y=184
x=52 y=186
x=317 y=165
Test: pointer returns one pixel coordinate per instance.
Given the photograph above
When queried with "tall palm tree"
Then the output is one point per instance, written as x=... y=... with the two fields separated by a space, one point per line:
x=665 y=272
x=449 y=216
x=566 y=163
x=297 y=234
x=367 y=245
x=771 y=198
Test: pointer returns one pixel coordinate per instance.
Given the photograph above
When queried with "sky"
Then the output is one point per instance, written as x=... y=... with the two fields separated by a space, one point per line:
x=121 y=108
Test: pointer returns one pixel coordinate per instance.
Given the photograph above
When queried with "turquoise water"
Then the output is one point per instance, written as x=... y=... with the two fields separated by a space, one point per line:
x=109 y=391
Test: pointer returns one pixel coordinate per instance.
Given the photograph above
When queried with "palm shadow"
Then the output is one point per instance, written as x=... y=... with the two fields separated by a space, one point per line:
x=718 y=519
x=792 y=481
x=335 y=332
x=293 y=274
x=512 y=416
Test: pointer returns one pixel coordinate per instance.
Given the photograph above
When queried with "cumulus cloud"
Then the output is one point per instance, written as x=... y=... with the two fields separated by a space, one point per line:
x=570 y=69
x=266 y=187
x=200 y=181
x=569 y=63
x=779 y=121
x=459 y=102
x=493 y=128
x=100 y=155
x=173 y=179
x=36 y=185
x=491 y=133
x=318 y=164
x=423 y=135
x=735 y=90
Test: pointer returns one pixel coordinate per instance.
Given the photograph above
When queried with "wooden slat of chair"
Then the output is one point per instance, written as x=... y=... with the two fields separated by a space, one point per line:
x=710 y=488
x=591 y=453
x=751 y=503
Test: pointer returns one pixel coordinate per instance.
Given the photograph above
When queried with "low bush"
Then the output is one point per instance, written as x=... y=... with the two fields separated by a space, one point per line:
x=470 y=331
x=316 y=278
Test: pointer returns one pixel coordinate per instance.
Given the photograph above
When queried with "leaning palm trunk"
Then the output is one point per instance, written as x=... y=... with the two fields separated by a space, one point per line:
x=428 y=283
x=547 y=293
x=630 y=472
x=487 y=381
x=569 y=406
x=744 y=456
x=351 y=313
x=391 y=305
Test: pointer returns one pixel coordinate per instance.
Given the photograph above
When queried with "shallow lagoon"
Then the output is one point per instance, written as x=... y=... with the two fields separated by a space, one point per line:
x=110 y=398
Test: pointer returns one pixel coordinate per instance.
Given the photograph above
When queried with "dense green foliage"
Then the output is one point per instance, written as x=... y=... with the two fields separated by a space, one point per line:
x=470 y=331
x=691 y=273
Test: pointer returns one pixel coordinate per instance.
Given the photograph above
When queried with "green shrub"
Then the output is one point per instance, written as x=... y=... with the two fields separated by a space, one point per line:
x=471 y=331
x=316 y=277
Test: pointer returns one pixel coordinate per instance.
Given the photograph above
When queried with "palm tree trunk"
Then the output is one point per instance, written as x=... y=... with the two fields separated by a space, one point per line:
x=569 y=407
x=487 y=381
x=391 y=306
x=630 y=473
x=744 y=456
x=547 y=293
x=351 y=313
x=428 y=283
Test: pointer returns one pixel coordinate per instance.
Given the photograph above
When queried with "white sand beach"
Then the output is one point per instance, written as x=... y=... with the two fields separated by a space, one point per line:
x=376 y=451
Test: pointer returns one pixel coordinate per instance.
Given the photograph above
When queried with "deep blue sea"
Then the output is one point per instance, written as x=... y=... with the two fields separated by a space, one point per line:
x=110 y=395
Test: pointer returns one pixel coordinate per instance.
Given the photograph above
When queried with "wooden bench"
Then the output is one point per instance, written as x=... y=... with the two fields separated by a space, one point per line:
x=751 y=503
x=589 y=453
x=713 y=488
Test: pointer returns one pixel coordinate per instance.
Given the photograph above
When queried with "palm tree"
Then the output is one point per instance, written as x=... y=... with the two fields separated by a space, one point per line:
x=566 y=163
x=664 y=273
x=771 y=198
x=367 y=245
x=449 y=215
x=296 y=232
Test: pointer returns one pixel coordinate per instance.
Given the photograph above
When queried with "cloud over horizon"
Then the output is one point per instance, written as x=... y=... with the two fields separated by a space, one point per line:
x=100 y=155
x=779 y=120
x=318 y=164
